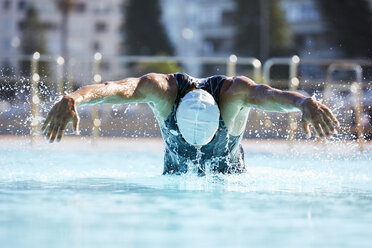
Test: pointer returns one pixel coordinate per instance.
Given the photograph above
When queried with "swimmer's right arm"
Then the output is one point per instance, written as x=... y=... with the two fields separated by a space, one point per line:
x=149 y=88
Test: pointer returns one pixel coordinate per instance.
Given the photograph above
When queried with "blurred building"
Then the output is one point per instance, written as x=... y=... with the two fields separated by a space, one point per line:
x=205 y=28
x=308 y=29
x=195 y=27
x=199 y=28
x=92 y=27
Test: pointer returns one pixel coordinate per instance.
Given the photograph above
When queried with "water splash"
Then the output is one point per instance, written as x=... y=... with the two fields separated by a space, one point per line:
x=198 y=159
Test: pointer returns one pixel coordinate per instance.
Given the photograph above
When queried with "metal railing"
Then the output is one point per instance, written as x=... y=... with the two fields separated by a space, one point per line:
x=356 y=89
x=35 y=99
x=35 y=59
x=230 y=62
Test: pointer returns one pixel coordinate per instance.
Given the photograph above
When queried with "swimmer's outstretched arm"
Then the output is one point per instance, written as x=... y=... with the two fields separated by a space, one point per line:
x=151 y=88
x=264 y=97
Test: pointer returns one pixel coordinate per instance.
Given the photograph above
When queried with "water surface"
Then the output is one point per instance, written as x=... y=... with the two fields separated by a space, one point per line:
x=51 y=198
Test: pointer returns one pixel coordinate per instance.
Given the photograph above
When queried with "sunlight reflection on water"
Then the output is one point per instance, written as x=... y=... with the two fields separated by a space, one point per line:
x=101 y=198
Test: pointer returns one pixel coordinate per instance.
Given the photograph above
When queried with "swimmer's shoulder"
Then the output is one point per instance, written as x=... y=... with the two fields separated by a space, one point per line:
x=159 y=85
x=161 y=91
x=226 y=86
x=233 y=86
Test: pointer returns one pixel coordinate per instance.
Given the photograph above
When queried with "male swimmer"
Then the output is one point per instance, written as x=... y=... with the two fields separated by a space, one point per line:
x=206 y=115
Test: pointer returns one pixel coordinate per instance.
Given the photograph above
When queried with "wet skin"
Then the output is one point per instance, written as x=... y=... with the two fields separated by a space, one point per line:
x=237 y=96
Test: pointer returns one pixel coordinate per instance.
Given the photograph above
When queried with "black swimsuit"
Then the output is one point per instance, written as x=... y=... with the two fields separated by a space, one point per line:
x=223 y=154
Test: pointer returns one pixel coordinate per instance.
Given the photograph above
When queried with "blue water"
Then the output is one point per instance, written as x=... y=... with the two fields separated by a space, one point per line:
x=51 y=198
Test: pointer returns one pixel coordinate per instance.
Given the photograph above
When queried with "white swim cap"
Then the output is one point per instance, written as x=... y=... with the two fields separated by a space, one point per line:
x=198 y=117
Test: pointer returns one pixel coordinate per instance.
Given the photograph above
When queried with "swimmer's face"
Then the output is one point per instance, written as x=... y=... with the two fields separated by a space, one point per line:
x=198 y=117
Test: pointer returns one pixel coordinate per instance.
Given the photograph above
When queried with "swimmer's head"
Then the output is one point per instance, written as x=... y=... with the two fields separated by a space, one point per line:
x=198 y=117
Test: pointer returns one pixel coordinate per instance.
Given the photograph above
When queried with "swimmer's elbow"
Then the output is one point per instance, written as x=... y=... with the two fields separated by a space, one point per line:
x=259 y=95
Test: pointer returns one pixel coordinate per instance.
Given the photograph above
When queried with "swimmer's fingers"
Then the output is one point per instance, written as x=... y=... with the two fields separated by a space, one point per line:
x=326 y=121
x=326 y=129
x=321 y=129
x=320 y=125
x=62 y=129
x=50 y=118
x=49 y=131
x=54 y=134
x=320 y=117
x=46 y=122
x=306 y=127
x=330 y=119
x=58 y=118
x=318 y=129
x=62 y=123
x=328 y=125
x=75 y=123
x=52 y=131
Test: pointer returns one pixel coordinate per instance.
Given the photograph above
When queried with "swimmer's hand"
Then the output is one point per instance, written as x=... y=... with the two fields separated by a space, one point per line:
x=319 y=116
x=59 y=116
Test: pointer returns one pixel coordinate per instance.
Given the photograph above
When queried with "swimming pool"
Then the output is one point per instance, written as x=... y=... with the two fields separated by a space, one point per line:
x=67 y=195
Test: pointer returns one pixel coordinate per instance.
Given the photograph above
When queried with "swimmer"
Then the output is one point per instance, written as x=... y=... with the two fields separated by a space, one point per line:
x=204 y=117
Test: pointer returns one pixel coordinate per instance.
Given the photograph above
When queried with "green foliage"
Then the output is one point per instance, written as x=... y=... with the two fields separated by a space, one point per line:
x=32 y=40
x=157 y=67
x=142 y=30
x=349 y=24
x=280 y=33
x=161 y=67
x=249 y=20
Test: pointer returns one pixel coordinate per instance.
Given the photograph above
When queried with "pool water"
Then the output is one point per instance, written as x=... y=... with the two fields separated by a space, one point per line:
x=103 y=198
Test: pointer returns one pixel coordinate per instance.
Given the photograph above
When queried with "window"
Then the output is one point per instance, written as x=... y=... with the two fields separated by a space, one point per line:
x=209 y=16
x=215 y=45
x=100 y=27
x=96 y=46
x=301 y=12
x=49 y=26
x=79 y=7
x=6 y=4
x=6 y=23
x=228 y=18
x=105 y=66
x=6 y=44
x=21 y=5
x=46 y=7
x=101 y=8
x=21 y=25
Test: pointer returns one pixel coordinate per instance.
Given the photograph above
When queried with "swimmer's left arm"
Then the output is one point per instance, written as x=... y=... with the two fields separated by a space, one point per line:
x=270 y=99
x=150 y=88
x=65 y=111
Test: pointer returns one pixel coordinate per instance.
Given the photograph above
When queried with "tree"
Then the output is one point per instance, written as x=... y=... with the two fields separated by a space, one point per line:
x=247 y=21
x=142 y=29
x=261 y=29
x=32 y=40
x=280 y=33
x=65 y=7
x=349 y=24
